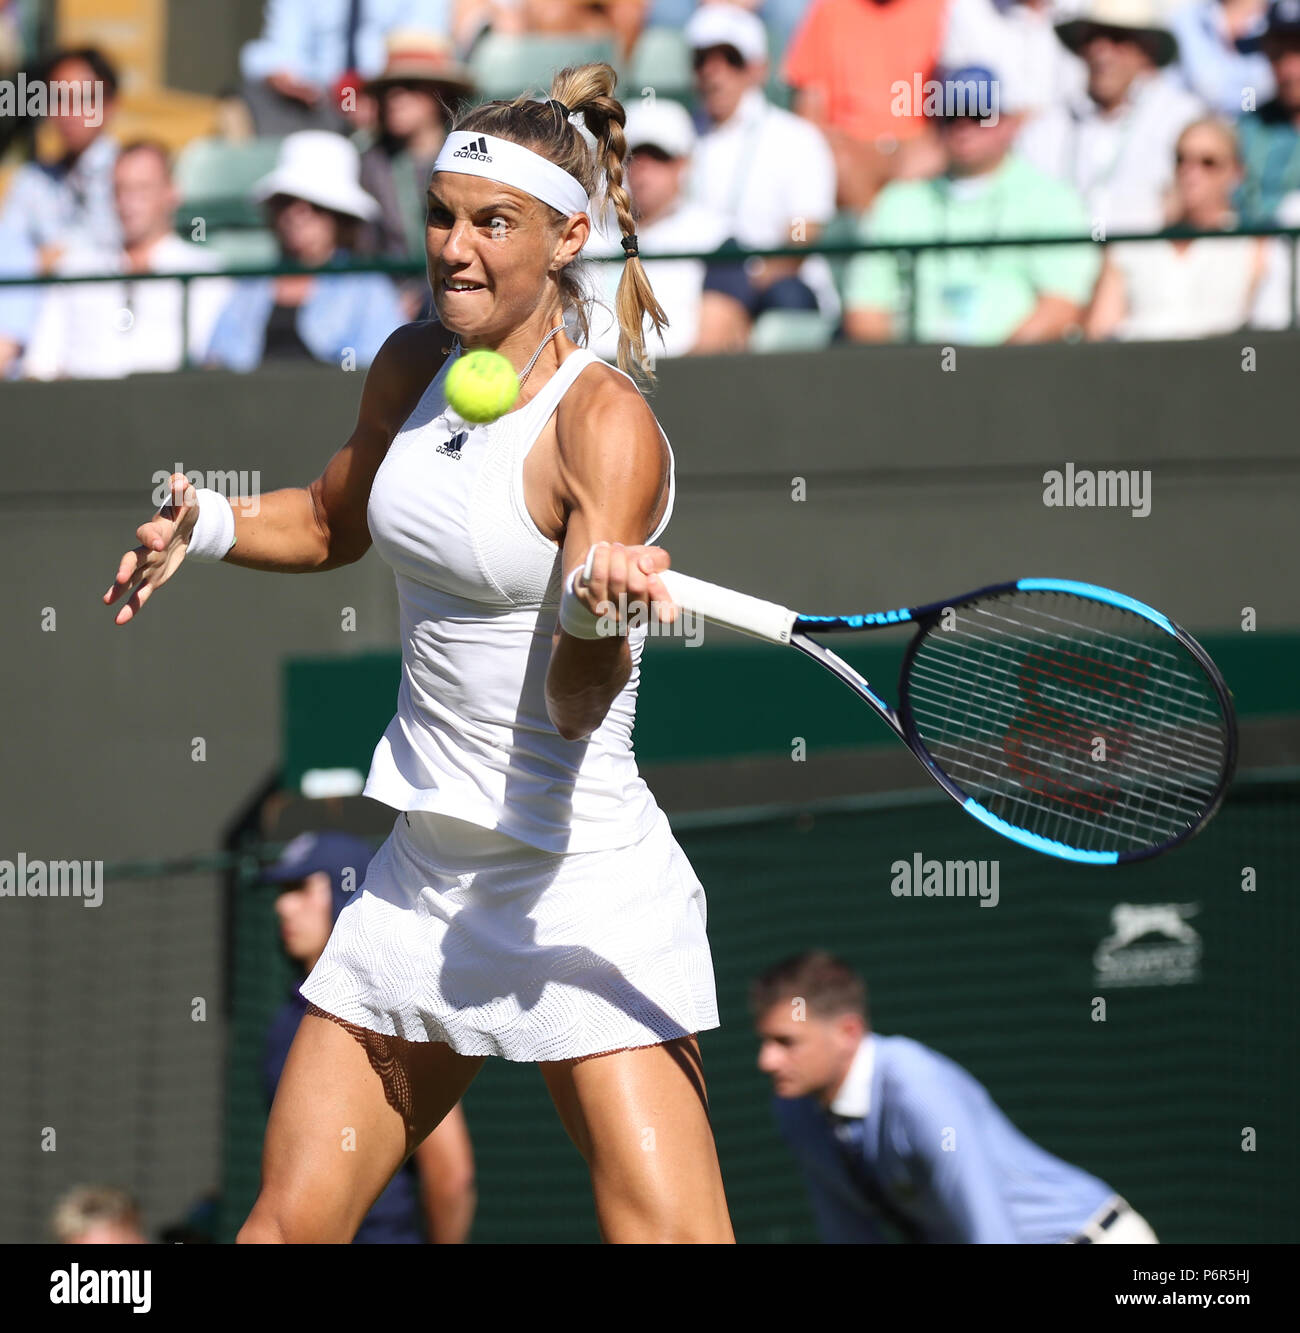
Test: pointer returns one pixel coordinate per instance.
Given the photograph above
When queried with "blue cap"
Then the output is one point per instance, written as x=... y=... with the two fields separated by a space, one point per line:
x=969 y=89
x=335 y=853
x=1284 y=18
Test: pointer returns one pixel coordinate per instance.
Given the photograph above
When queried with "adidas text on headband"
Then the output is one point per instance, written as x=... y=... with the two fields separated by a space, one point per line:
x=509 y=163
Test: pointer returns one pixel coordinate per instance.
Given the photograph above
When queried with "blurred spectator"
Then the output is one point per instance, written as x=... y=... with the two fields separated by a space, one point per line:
x=473 y=19
x=768 y=172
x=780 y=17
x=97 y=1215
x=1270 y=137
x=316 y=206
x=417 y=93
x=1219 y=53
x=887 y=1131
x=1000 y=295
x=361 y=116
x=50 y=202
x=197 y=1227
x=1188 y=288
x=855 y=65
x=310 y=50
x=620 y=20
x=1115 y=144
x=234 y=121
x=660 y=139
x=11 y=36
x=12 y=52
x=1280 y=290
x=432 y=1195
x=1018 y=38
x=104 y=330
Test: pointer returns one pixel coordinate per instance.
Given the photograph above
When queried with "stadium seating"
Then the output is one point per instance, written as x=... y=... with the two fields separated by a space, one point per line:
x=244 y=247
x=506 y=65
x=662 y=61
x=216 y=178
x=790 y=331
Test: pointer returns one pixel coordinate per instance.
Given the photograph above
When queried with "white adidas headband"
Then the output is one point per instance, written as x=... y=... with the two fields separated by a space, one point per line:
x=494 y=159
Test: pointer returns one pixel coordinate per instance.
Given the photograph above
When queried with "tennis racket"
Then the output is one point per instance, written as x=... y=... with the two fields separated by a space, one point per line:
x=1072 y=719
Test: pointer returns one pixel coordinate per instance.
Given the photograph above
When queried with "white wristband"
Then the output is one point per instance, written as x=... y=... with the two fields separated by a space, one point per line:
x=575 y=618
x=214 y=531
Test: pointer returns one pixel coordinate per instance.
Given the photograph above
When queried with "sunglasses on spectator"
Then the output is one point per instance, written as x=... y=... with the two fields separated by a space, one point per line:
x=652 y=151
x=413 y=86
x=1206 y=160
x=278 y=203
x=1090 y=32
x=965 y=118
x=729 y=54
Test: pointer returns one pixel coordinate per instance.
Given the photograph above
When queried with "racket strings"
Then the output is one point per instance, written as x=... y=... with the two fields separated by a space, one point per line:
x=1172 y=665
x=1069 y=781
x=1152 y=742
x=1067 y=795
x=1196 y=746
x=944 y=673
x=1075 y=720
x=1086 y=798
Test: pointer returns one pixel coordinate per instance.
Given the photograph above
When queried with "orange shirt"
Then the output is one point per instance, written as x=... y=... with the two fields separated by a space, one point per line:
x=855 y=51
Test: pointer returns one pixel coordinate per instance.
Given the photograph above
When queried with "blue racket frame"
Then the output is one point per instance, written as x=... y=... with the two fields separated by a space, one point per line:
x=903 y=725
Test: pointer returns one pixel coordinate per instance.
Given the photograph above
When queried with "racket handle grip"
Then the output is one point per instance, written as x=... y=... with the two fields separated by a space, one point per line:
x=736 y=610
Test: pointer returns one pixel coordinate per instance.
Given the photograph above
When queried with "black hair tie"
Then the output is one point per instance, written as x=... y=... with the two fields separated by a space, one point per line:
x=630 y=246
x=560 y=107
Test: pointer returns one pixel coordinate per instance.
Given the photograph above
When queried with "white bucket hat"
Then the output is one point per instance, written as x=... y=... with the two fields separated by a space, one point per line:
x=322 y=168
x=660 y=124
x=1143 y=18
x=727 y=25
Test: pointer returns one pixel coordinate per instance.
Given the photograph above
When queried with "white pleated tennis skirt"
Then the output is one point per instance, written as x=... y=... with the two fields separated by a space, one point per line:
x=463 y=935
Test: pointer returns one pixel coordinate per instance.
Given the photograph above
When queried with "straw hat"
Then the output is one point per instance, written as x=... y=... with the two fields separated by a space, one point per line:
x=1143 y=18
x=415 y=56
x=322 y=168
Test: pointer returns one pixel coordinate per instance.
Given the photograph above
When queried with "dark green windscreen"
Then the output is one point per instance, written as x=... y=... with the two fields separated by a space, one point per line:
x=1157 y=1099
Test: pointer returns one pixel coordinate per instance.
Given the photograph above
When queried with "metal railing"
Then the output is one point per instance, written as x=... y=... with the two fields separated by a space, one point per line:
x=907 y=253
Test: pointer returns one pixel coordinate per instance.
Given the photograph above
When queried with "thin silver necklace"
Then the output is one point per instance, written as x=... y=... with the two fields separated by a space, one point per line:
x=456 y=349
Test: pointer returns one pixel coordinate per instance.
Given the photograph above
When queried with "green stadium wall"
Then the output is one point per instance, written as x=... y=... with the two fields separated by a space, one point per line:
x=917 y=482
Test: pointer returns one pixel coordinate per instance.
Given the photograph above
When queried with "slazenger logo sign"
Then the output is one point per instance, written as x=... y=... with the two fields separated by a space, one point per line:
x=1150 y=944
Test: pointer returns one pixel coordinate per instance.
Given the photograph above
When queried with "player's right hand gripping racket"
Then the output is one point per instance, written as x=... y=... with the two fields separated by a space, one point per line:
x=1072 y=719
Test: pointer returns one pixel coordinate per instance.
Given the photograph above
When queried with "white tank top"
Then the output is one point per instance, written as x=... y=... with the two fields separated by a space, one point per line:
x=1204 y=290
x=478 y=586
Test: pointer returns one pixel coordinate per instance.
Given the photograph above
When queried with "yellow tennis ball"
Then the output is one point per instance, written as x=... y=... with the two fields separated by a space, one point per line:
x=482 y=386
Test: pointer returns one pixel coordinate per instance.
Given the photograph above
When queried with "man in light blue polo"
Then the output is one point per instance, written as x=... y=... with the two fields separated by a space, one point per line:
x=987 y=191
x=887 y=1131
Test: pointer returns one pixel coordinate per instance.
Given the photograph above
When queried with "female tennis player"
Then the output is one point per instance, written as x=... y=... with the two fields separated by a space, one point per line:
x=531 y=902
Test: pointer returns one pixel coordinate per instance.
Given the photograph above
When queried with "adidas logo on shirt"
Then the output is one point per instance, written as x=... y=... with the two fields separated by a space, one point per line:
x=452 y=446
x=476 y=151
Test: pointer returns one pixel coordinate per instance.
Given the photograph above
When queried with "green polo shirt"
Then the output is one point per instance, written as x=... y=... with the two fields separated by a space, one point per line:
x=973 y=296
